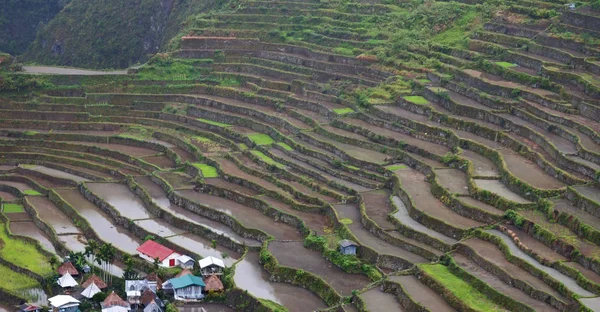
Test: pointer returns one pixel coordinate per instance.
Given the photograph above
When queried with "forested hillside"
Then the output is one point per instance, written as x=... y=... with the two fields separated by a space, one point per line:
x=110 y=33
x=20 y=20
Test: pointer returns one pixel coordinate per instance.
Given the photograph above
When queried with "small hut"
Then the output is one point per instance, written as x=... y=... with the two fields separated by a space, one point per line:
x=67 y=281
x=348 y=247
x=213 y=284
x=96 y=280
x=90 y=290
x=185 y=262
x=67 y=267
x=211 y=265
x=113 y=300
x=188 y=287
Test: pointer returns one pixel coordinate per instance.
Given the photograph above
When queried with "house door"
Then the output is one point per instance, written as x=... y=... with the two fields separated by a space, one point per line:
x=171 y=262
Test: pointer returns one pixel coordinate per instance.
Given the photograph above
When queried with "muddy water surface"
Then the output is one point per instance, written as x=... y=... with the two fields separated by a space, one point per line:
x=121 y=197
x=29 y=229
x=250 y=276
x=7 y=196
x=73 y=242
x=160 y=198
x=377 y=300
x=58 y=173
x=250 y=217
x=101 y=222
x=499 y=189
x=48 y=212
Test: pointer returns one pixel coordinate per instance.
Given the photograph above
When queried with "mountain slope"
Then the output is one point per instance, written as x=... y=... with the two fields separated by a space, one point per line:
x=110 y=33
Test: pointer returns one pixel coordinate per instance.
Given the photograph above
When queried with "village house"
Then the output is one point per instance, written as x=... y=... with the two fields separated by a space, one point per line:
x=151 y=250
x=90 y=291
x=187 y=288
x=134 y=290
x=211 y=265
x=64 y=303
x=154 y=282
x=152 y=306
x=96 y=280
x=348 y=247
x=67 y=281
x=67 y=267
x=114 y=303
x=26 y=307
x=185 y=262
x=213 y=284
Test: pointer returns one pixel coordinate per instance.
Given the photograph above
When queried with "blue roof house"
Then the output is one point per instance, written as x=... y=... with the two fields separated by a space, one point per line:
x=188 y=287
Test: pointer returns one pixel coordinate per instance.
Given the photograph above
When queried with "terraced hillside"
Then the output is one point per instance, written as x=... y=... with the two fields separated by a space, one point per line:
x=466 y=168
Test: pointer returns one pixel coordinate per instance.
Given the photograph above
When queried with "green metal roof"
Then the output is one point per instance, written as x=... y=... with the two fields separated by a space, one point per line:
x=186 y=280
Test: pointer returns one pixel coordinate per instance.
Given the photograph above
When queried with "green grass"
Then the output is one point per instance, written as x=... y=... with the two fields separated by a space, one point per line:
x=346 y=221
x=32 y=192
x=13 y=250
x=202 y=139
x=343 y=111
x=352 y=167
x=208 y=171
x=396 y=167
x=12 y=208
x=506 y=64
x=417 y=99
x=461 y=289
x=14 y=282
x=29 y=132
x=458 y=34
x=275 y=307
x=266 y=158
x=172 y=69
x=214 y=123
x=243 y=146
x=424 y=80
x=261 y=139
x=285 y=146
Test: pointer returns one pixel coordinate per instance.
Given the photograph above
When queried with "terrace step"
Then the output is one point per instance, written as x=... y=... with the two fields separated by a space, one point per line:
x=499 y=285
x=421 y=294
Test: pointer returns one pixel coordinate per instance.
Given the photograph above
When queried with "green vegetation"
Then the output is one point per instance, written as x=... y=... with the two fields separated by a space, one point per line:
x=275 y=307
x=208 y=171
x=14 y=282
x=461 y=30
x=285 y=146
x=461 y=289
x=261 y=139
x=416 y=99
x=243 y=146
x=32 y=192
x=214 y=123
x=163 y=67
x=346 y=221
x=506 y=64
x=268 y=160
x=13 y=250
x=343 y=111
x=396 y=167
x=12 y=208
x=106 y=37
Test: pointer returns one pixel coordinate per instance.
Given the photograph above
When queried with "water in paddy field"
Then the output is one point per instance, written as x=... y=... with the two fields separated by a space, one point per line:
x=35 y=296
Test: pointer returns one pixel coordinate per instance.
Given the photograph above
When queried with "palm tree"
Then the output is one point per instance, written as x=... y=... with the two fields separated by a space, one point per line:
x=91 y=248
x=129 y=273
x=100 y=256
x=156 y=264
x=110 y=258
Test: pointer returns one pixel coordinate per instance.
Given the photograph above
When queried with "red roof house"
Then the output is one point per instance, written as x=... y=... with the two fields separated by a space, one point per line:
x=151 y=250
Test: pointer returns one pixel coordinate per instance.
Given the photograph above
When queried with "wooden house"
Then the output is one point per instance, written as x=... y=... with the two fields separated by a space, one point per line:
x=64 y=303
x=154 y=282
x=67 y=281
x=348 y=247
x=213 y=284
x=152 y=306
x=114 y=303
x=134 y=289
x=96 y=280
x=188 y=287
x=211 y=265
x=67 y=267
x=151 y=250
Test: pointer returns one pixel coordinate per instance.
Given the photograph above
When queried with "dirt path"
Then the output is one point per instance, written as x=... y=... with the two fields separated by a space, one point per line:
x=69 y=71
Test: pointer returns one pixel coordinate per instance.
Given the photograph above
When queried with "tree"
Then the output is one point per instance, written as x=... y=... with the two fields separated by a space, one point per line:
x=91 y=248
x=156 y=264
x=53 y=262
x=78 y=260
x=106 y=253
x=129 y=273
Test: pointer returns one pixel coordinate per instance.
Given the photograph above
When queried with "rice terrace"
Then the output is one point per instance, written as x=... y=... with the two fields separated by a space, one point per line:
x=300 y=155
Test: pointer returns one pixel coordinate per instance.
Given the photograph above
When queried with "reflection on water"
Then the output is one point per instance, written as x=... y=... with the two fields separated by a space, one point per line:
x=251 y=277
